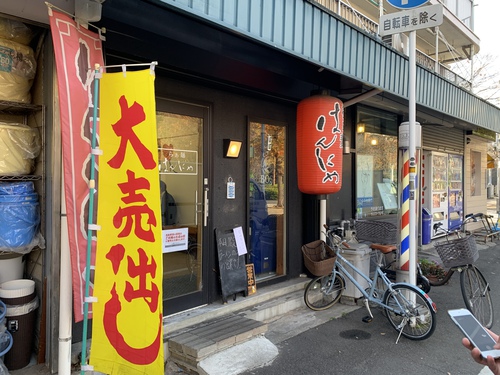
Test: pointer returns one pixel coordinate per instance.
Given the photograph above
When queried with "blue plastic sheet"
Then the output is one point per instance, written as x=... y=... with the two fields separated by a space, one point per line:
x=16 y=188
x=19 y=222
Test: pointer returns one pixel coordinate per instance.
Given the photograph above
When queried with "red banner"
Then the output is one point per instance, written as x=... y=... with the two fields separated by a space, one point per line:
x=77 y=50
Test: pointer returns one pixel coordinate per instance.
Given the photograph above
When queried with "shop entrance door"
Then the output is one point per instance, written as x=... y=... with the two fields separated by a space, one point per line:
x=184 y=206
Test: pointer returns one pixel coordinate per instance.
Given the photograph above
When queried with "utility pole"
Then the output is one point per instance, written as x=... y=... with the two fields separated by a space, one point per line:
x=497 y=165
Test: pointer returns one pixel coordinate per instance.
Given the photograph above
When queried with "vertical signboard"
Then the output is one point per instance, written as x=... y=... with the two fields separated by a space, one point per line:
x=76 y=50
x=127 y=330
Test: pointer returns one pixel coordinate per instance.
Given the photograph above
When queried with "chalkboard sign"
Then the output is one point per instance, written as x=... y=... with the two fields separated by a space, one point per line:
x=232 y=268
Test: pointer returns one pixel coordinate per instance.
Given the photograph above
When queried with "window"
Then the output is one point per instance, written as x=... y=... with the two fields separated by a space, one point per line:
x=376 y=163
x=475 y=173
x=267 y=197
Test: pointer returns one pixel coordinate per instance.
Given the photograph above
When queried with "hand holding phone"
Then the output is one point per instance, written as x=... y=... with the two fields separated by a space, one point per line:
x=475 y=332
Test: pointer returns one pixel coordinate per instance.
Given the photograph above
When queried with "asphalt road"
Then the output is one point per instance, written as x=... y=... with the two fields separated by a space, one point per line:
x=346 y=345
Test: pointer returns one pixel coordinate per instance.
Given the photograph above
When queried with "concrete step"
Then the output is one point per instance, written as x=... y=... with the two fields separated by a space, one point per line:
x=185 y=319
x=208 y=338
x=277 y=306
x=196 y=335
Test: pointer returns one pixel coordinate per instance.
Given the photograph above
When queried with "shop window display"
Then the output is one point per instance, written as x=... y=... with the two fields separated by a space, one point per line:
x=376 y=163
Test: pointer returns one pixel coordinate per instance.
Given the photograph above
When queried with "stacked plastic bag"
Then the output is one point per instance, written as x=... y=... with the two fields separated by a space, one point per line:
x=19 y=146
x=17 y=61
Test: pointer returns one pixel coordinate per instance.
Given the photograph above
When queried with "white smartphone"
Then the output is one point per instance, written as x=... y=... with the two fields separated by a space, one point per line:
x=475 y=332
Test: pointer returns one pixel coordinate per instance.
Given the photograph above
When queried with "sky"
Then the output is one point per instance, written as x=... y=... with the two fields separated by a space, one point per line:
x=486 y=25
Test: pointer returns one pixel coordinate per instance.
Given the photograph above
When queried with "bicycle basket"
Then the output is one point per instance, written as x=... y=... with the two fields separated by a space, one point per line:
x=381 y=232
x=319 y=258
x=457 y=252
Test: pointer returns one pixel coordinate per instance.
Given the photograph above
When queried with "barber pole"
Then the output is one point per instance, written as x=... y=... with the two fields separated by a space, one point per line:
x=404 y=255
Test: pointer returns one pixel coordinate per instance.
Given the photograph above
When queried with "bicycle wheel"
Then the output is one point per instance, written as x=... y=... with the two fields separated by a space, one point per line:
x=442 y=281
x=320 y=294
x=423 y=283
x=476 y=293
x=413 y=315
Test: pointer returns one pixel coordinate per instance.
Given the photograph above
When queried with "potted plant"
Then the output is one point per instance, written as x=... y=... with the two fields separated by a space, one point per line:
x=431 y=269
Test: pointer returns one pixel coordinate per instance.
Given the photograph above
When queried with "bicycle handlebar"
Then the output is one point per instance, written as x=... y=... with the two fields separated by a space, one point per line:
x=339 y=240
x=468 y=218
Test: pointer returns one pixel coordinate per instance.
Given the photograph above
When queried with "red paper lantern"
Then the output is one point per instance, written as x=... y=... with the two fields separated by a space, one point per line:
x=320 y=130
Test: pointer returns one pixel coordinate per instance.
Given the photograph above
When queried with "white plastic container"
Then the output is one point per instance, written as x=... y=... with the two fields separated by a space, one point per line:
x=359 y=255
x=11 y=267
x=16 y=288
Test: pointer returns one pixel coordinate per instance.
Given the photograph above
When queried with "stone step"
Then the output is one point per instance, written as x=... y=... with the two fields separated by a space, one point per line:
x=199 y=342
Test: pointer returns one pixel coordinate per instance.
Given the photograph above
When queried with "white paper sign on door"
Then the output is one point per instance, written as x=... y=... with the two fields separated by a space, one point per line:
x=174 y=240
x=240 y=240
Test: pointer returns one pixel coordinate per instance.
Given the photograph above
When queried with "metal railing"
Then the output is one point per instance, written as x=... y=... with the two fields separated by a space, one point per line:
x=356 y=18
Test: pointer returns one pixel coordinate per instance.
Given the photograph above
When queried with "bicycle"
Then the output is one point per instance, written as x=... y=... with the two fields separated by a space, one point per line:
x=459 y=254
x=409 y=310
x=383 y=234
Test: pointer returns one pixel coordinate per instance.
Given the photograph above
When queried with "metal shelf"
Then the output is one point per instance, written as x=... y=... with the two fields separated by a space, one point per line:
x=21 y=178
x=15 y=108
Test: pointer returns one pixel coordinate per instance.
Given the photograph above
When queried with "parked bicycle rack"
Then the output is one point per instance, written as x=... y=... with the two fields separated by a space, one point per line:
x=490 y=230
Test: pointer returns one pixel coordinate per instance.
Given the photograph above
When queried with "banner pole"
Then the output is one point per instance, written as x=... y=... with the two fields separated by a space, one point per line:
x=89 y=223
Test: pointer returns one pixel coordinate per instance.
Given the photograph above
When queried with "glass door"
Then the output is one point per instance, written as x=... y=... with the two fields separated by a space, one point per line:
x=455 y=190
x=267 y=197
x=184 y=190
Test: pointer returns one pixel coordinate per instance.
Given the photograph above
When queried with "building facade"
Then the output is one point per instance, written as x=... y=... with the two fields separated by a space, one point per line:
x=237 y=70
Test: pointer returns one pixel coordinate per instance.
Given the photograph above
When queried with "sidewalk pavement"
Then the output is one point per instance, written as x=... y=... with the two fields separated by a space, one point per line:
x=336 y=341
x=293 y=333
x=346 y=345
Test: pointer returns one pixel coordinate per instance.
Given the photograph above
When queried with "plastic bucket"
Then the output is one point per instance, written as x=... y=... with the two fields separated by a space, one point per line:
x=13 y=290
x=3 y=310
x=6 y=342
x=21 y=303
x=11 y=267
x=18 y=223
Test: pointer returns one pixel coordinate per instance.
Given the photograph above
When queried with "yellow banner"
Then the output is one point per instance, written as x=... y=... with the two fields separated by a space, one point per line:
x=127 y=329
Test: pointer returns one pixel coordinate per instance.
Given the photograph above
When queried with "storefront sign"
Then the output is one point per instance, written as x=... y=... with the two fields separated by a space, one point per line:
x=252 y=283
x=320 y=126
x=127 y=330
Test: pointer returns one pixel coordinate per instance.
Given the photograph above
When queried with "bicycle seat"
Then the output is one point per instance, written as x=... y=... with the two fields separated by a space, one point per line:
x=383 y=248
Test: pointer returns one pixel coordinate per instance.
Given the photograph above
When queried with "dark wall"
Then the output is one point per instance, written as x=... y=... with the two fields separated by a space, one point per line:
x=229 y=116
x=241 y=80
x=340 y=205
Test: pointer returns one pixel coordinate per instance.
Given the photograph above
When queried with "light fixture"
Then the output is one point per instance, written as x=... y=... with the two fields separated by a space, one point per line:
x=88 y=10
x=374 y=142
x=361 y=127
x=232 y=148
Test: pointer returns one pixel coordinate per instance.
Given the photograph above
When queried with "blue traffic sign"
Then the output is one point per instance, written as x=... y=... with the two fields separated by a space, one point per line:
x=406 y=4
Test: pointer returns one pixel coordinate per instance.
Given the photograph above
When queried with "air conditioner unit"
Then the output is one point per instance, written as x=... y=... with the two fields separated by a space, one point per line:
x=398 y=41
